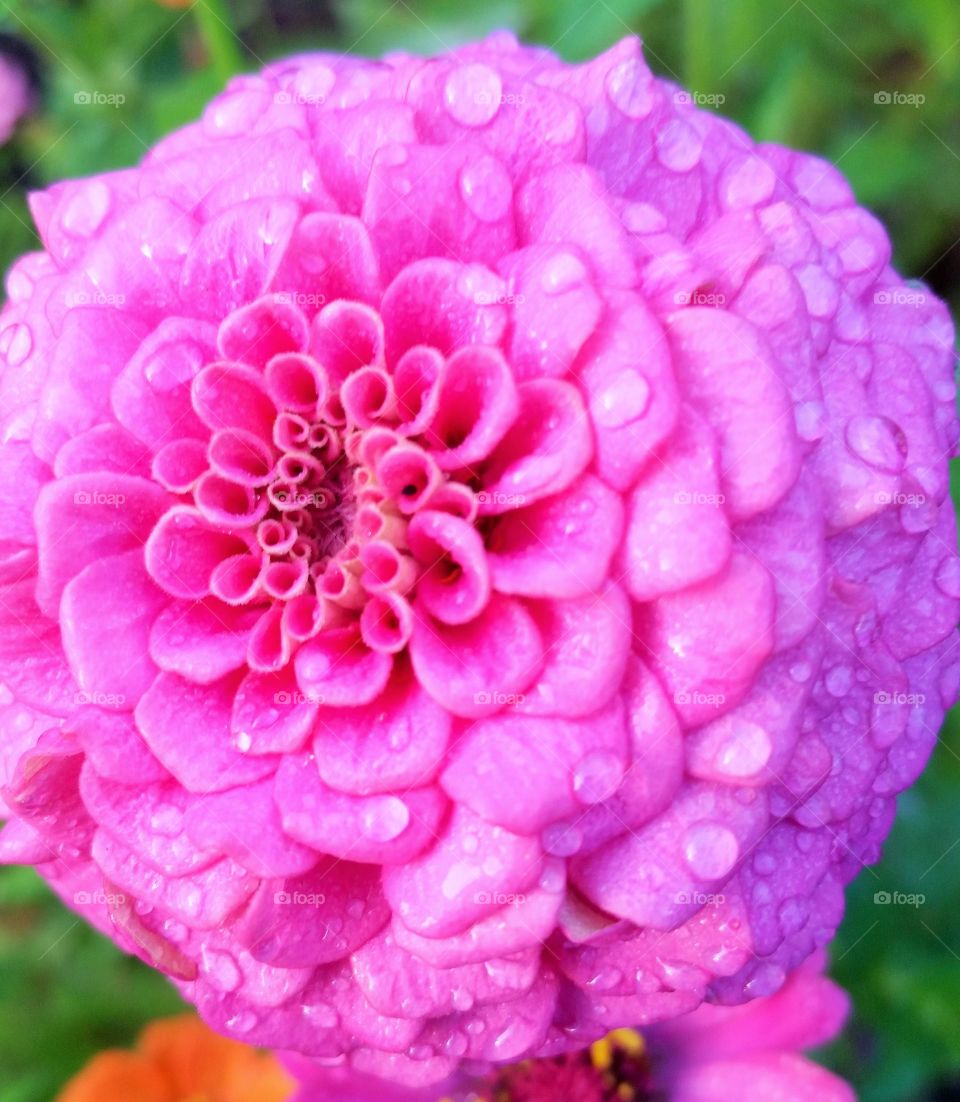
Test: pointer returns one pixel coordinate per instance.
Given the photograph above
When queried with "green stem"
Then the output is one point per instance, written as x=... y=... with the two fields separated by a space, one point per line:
x=216 y=29
x=699 y=44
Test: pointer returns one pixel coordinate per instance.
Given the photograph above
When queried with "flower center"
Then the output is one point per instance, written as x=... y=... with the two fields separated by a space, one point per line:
x=615 y=1069
x=331 y=493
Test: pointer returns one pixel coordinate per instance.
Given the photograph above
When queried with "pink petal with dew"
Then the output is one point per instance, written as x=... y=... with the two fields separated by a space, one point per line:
x=385 y=828
x=206 y=764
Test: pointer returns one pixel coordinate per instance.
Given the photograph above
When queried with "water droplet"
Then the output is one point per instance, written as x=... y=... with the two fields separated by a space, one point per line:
x=743 y=750
x=491 y=866
x=563 y=272
x=552 y=879
x=486 y=188
x=597 y=776
x=888 y=720
x=167 y=820
x=679 y=146
x=838 y=680
x=625 y=399
x=630 y=88
x=386 y=819
x=792 y=915
x=561 y=128
x=235 y=112
x=762 y=893
x=747 y=183
x=642 y=218
x=322 y=1015
x=86 y=209
x=561 y=839
x=948 y=576
x=767 y=980
x=710 y=849
x=243 y=741
x=646 y=982
x=865 y=629
x=481 y=285
x=605 y=980
x=222 y=969
x=18 y=344
x=878 y=441
x=679 y=975
x=504 y=1039
x=472 y=94
x=918 y=514
x=266 y=718
x=393 y=155
x=243 y=1022
x=455 y=1045
x=811 y=420
x=944 y=390
x=314 y=84
x=764 y=864
x=174 y=366
x=191 y=901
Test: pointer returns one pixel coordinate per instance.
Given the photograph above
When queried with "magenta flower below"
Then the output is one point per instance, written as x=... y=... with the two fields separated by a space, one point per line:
x=477 y=565
x=712 y=1054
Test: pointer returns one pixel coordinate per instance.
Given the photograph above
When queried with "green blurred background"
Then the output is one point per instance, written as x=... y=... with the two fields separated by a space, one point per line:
x=803 y=72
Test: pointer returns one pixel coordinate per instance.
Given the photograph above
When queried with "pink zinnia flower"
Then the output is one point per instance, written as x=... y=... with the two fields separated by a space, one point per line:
x=712 y=1054
x=477 y=559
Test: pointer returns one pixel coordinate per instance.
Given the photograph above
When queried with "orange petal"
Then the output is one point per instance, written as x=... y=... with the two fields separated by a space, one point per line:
x=196 y=1061
x=120 y=1077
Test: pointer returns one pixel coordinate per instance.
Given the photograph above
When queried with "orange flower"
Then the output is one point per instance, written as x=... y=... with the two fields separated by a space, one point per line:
x=181 y=1060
